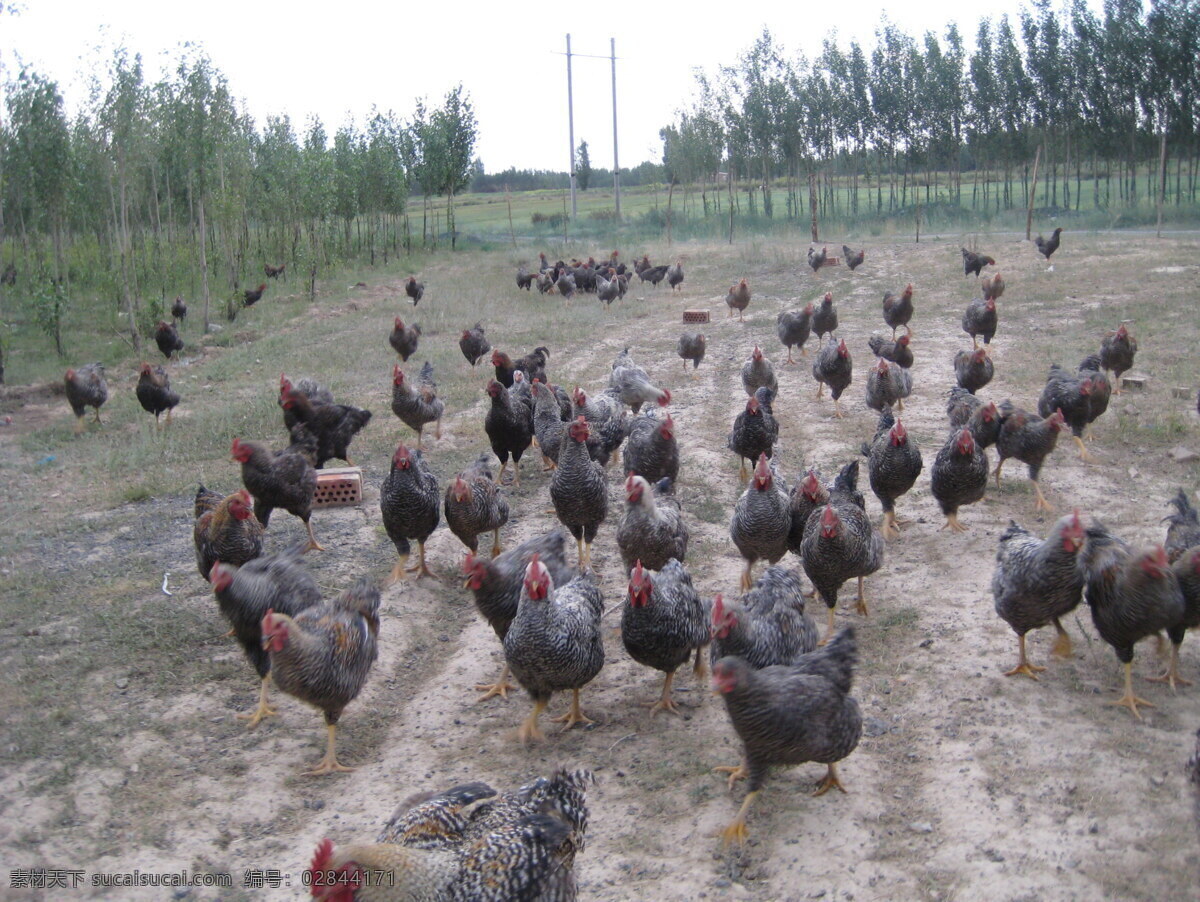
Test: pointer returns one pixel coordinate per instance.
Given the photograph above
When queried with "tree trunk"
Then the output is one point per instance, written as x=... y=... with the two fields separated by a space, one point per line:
x=204 y=289
x=1029 y=211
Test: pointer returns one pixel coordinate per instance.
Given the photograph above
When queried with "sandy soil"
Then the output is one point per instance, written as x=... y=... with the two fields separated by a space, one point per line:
x=966 y=785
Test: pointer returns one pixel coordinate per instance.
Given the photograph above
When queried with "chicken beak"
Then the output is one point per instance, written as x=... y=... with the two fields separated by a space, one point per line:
x=467 y=583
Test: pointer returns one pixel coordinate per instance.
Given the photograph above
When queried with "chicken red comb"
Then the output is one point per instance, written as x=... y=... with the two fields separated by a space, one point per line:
x=718 y=609
x=881 y=366
x=665 y=398
x=828 y=296
x=399 y=324
x=322 y=855
x=283 y=380
x=468 y=564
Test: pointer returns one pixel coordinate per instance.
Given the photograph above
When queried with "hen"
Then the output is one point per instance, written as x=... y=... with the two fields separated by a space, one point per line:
x=474 y=505
x=757 y=372
x=993 y=287
x=761 y=520
x=226 y=530
x=86 y=387
x=548 y=424
x=898 y=309
x=853 y=259
x=663 y=623
x=404 y=339
x=1029 y=439
x=1187 y=573
x=834 y=368
x=793 y=328
x=166 y=336
x=654 y=274
x=607 y=420
x=973 y=369
x=893 y=465
x=652 y=529
x=959 y=476
x=474 y=344
x=554 y=642
x=414 y=289
x=416 y=407
x=1047 y=246
x=980 y=319
x=246 y=592
x=982 y=418
x=825 y=318
x=790 y=714
x=333 y=425
x=651 y=450
x=816 y=259
x=755 y=430
x=738 y=299
x=807 y=496
x=897 y=351
x=1070 y=393
x=408 y=501
x=1101 y=392
x=1184 y=531
x=179 y=309
x=524 y=277
x=974 y=263
x=154 y=392
x=632 y=384
x=508 y=428
x=840 y=543
x=323 y=654
x=283 y=479
x=252 y=296
x=691 y=347
x=1117 y=350
x=888 y=384
x=675 y=275
x=768 y=625
x=578 y=490
x=1132 y=595
x=496 y=586
x=274 y=272
x=1038 y=582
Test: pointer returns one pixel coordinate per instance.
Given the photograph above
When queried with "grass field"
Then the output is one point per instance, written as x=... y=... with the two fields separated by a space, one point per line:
x=121 y=750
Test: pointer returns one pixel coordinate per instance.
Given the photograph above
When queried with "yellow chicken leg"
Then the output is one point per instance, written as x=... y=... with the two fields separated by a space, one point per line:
x=312 y=545
x=500 y=687
x=736 y=831
x=397 y=574
x=263 y=710
x=1172 y=677
x=665 y=703
x=952 y=523
x=1023 y=665
x=530 y=731
x=421 y=569
x=736 y=772
x=891 y=528
x=575 y=715
x=1062 y=642
x=1083 y=451
x=329 y=764
x=1129 y=700
x=829 y=781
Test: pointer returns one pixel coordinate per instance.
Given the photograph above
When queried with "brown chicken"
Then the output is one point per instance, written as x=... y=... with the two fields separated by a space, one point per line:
x=420 y=405
x=323 y=655
x=226 y=530
x=86 y=387
x=166 y=336
x=408 y=501
x=853 y=259
x=761 y=520
x=274 y=272
x=974 y=263
x=738 y=299
x=252 y=296
x=404 y=339
x=283 y=479
x=154 y=392
x=474 y=505
x=993 y=287
x=1117 y=351
x=898 y=309
x=474 y=344
x=414 y=289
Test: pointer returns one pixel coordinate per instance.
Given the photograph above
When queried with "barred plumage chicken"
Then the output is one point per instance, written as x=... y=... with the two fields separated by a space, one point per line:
x=755 y=430
x=793 y=328
x=980 y=319
x=893 y=464
x=1070 y=393
x=154 y=392
x=417 y=406
x=508 y=428
x=888 y=384
x=898 y=351
x=607 y=420
x=226 y=529
x=86 y=387
x=898 y=309
x=404 y=339
x=973 y=369
x=757 y=371
x=817 y=258
x=474 y=344
x=834 y=368
x=651 y=449
x=1184 y=529
x=632 y=384
x=1029 y=439
x=280 y=479
x=980 y=417
x=959 y=476
x=767 y=625
x=807 y=495
x=548 y=424
x=408 y=501
x=738 y=299
x=579 y=491
x=691 y=346
x=1117 y=350
x=474 y=505
x=761 y=519
x=825 y=317
x=675 y=275
x=652 y=529
x=853 y=259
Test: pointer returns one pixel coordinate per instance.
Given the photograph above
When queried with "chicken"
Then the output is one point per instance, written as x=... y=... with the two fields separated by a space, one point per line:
x=993 y=287
x=608 y=289
x=246 y=591
x=474 y=344
x=651 y=450
x=834 y=368
x=974 y=263
x=554 y=642
x=274 y=272
x=738 y=299
x=675 y=275
x=888 y=384
x=524 y=277
x=793 y=328
x=404 y=339
x=323 y=654
x=632 y=384
x=652 y=529
x=311 y=389
x=654 y=274
x=1047 y=246
x=154 y=392
x=508 y=429
x=1038 y=582
x=1029 y=439
x=607 y=421
x=416 y=407
x=496 y=587
x=757 y=372
x=86 y=387
x=1184 y=531
x=474 y=505
x=1070 y=393
x=533 y=365
x=565 y=285
x=408 y=501
x=179 y=309
x=578 y=490
x=166 y=336
x=761 y=520
x=1117 y=351
x=768 y=625
x=283 y=479
x=853 y=259
x=755 y=430
x=982 y=418
x=898 y=309
x=898 y=351
x=807 y=495
x=334 y=425
x=893 y=464
x=226 y=530
x=816 y=259
x=518 y=846
x=790 y=714
x=959 y=476
x=1132 y=595
x=545 y=283
x=252 y=296
x=1187 y=574
x=973 y=369
x=825 y=318
x=414 y=289
x=1101 y=390
x=980 y=319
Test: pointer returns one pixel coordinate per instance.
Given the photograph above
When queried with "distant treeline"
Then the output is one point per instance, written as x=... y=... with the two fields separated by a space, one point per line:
x=537 y=179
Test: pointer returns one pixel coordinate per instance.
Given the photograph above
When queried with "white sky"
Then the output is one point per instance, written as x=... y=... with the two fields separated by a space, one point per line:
x=336 y=60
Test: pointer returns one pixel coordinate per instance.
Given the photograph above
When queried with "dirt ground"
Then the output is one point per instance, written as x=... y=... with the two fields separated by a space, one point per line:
x=966 y=785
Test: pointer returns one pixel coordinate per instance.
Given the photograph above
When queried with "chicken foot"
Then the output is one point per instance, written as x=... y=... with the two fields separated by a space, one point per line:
x=1171 y=677
x=1129 y=700
x=736 y=772
x=736 y=831
x=574 y=716
x=952 y=523
x=999 y=467
x=500 y=687
x=700 y=668
x=837 y=409
x=1023 y=665
x=861 y=606
x=529 y=730
x=665 y=702
x=1039 y=502
x=329 y=764
x=890 y=528
x=421 y=569
x=496 y=542
x=313 y=544
x=263 y=710
x=1062 y=642
x=828 y=630
x=79 y=427
x=747 y=581
x=829 y=781
x=1083 y=451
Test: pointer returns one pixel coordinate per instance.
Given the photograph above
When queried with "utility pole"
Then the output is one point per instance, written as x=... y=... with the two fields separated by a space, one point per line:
x=612 y=44
x=571 y=131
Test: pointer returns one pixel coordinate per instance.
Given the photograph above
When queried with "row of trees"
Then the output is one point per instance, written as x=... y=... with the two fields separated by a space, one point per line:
x=155 y=185
x=1101 y=95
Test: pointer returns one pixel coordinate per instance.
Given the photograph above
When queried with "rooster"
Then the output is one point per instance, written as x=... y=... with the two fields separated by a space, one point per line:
x=761 y=520
x=691 y=347
x=404 y=339
x=834 y=368
x=474 y=505
x=959 y=476
x=974 y=263
x=578 y=490
x=86 y=387
x=1047 y=246
x=893 y=465
x=474 y=344
x=738 y=299
x=898 y=309
x=252 y=296
x=758 y=372
x=416 y=407
x=226 y=530
x=853 y=259
x=274 y=272
x=414 y=289
x=663 y=623
x=408 y=501
x=154 y=392
x=793 y=328
x=652 y=530
x=283 y=479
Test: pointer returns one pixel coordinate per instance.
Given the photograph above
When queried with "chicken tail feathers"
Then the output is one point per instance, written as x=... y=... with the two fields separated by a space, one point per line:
x=847 y=479
x=1184 y=512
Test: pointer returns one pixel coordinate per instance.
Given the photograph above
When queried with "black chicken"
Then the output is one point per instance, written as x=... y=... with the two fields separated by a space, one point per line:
x=154 y=392
x=1047 y=246
x=333 y=425
x=1117 y=351
x=893 y=465
x=86 y=387
x=834 y=368
x=1070 y=393
x=474 y=344
x=853 y=259
x=824 y=317
x=898 y=309
x=414 y=289
x=974 y=263
x=793 y=328
x=980 y=319
x=166 y=336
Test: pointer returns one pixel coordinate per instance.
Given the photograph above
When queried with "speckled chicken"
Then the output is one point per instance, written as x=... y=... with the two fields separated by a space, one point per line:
x=980 y=320
x=166 y=336
x=974 y=263
x=841 y=543
x=496 y=587
x=853 y=259
x=1038 y=582
x=1029 y=439
x=893 y=465
x=474 y=344
x=245 y=592
x=768 y=625
x=1132 y=594
x=333 y=425
x=691 y=346
x=761 y=519
x=973 y=369
x=817 y=258
x=419 y=405
x=607 y=419
x=632 y=384
x=226 y=529
x=86 y=387
x=408 y=501
x=807 y=495
x=993 y=286
x=323 y=654
x=1184 y=529
x=579 y=491
x=280 y=479
x=508 y=428
x=651 y=450
x=154 y=392
x=755 y=430
x=1187 y=573
x=1101 y=392
x=663 y=623
x=790 y=714
x=981 y=417
x=834 y=368
x=474 y=505
x=555 y=642
x=888 y=384
x=652 y=529
x=898 y=351
x=738 y=299
x=825 y=317
x=675 y=275
x=959 y=476
x=548 y=424
x=404 y=339
x=793 y=328
x=757 y=371
x=1070 y=393
x=898 y=309
x=1117 y=350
